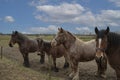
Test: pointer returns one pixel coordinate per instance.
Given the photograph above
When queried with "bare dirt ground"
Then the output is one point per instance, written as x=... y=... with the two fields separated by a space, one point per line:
x=87 y=69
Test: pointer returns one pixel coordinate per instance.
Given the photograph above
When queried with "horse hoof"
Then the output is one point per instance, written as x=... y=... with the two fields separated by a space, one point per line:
x=96 y=74
x=26 y=65
x=68 y=78
x=42 y=62
x=66 y=66
x=100 y=75
x=103 y=76
x=56 y=70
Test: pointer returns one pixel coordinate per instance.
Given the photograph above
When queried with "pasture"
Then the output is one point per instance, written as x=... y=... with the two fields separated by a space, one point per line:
x=11 y=67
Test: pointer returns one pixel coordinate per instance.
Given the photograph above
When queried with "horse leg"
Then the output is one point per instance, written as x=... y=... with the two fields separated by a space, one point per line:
x=74 y=66
x=66 y=64
x=54 y=67
x=76 y=71
x=102 y=67
x=42 y=60
x=117 y=69
x=26 y=60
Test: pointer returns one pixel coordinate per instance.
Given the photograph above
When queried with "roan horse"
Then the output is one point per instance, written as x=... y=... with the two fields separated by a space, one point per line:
x=55 y=52
x=78 y=51
x=26 y=46
x=108 y=43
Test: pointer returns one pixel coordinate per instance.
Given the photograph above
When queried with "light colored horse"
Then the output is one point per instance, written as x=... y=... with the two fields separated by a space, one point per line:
x=78 y=51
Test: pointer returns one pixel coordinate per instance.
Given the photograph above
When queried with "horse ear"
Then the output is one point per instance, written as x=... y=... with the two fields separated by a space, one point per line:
x=107 y=30
x=39 y=40
x=60 y=29
x=16 y=32
x=96 y=30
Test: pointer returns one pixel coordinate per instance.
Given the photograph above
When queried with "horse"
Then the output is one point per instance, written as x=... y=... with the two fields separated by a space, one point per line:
x=26 y=46
x=78 y=51
x=55 y=52
x=108 y=43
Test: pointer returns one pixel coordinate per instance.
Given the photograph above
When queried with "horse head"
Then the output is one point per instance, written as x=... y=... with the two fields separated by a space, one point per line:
x=60 y=37
x=101 y=42
x=13 y=39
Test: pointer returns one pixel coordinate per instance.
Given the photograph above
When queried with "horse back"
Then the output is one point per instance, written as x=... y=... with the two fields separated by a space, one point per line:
x=83 y=51
x=32 y=45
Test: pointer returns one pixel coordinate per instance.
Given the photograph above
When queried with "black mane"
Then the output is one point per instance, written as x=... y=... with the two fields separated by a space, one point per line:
x=71 y=34
x=113 y=39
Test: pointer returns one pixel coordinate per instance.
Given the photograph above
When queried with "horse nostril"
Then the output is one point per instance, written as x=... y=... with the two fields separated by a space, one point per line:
x=10 y=45
x=98 y=59
x=101 y=57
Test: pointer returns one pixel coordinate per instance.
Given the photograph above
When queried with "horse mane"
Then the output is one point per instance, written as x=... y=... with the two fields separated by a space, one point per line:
x=22 y=36
x=71 y=34
x=114 y=39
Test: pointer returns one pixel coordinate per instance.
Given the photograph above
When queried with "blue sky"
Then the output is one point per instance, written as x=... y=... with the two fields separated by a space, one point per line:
x=45 y=16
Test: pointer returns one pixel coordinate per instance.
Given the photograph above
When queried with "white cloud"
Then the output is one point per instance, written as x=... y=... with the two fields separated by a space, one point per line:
x=44 y=30
x=63 y=9
x=74 y=13
x=116 y=2
x=108 y=17
x=9 y=19
x=84 y=30
x=64 y=12
x=26 y=32
x=86 y=19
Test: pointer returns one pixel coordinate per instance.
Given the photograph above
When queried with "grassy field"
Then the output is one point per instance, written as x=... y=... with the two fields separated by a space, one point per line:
x=11 y=67
x=11 y=70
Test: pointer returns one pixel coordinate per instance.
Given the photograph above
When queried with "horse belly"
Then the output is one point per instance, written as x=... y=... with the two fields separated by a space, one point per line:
x=57 y=54
x=32 y=49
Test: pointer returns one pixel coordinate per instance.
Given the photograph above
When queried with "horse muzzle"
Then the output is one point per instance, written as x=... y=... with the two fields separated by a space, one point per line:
x=99 y=59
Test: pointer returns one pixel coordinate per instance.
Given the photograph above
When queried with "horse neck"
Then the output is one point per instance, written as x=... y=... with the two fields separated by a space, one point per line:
x=113 y=42
x=69 y=42
x=22 y=39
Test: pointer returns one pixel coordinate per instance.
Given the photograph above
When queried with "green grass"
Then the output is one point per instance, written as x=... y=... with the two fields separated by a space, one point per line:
x=11 y=70
x=4 y=40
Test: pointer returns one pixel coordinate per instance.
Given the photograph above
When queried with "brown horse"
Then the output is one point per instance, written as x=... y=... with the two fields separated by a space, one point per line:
x=108 y=43
x=26 y=46
x=55 y=52
x=78 y=51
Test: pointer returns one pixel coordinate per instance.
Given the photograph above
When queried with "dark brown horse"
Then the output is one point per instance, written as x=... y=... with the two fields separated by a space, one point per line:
x=55 y=52
x=26 y=46
x=78 y=51
x=108 y=43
